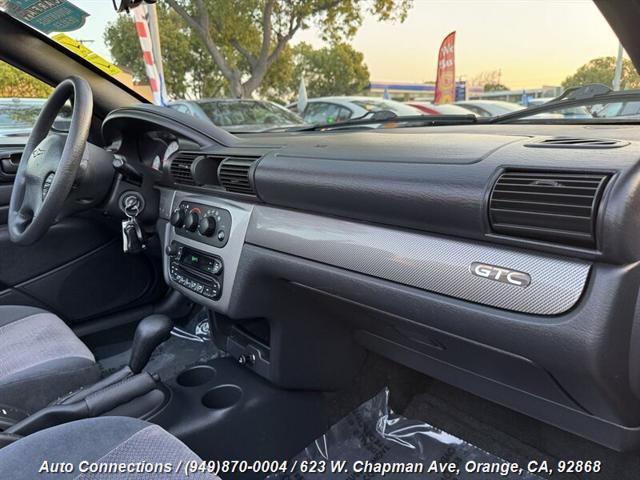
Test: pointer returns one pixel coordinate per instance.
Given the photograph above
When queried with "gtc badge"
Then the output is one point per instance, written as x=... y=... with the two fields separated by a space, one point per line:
x=499 y=274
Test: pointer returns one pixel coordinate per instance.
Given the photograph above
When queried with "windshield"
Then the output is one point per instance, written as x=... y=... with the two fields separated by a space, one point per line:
x=260 y=66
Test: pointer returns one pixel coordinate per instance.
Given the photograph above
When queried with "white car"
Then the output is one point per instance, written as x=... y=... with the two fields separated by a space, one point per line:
x=326 y=110
x=573 y=112
x=489 y=108
x=495 y=108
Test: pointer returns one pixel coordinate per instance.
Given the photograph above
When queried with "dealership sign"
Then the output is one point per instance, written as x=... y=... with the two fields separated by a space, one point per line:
x=47 y=15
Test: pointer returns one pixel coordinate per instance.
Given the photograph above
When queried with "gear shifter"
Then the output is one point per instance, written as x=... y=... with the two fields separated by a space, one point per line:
x=151 y=332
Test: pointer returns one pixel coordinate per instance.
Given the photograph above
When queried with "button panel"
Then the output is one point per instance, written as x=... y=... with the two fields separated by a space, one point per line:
x=197 y=271
x=216 y=223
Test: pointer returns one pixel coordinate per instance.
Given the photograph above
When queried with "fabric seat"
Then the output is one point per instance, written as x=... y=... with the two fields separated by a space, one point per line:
x=41 y=359
x=99 y=443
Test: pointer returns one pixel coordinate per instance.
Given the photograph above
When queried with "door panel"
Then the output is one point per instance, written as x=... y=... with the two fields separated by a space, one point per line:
x=78 y=270
x=9 y=161
x=95 y=284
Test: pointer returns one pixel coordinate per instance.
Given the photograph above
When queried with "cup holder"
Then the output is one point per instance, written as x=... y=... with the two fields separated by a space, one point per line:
x=194 y=376
x=224 y=396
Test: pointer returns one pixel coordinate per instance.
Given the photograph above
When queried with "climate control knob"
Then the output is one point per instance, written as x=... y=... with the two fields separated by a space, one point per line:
x=177 y=218
x=191 y=222
x=207 y=226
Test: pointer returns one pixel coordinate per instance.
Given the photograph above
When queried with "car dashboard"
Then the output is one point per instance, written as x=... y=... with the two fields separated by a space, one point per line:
x=502 y=259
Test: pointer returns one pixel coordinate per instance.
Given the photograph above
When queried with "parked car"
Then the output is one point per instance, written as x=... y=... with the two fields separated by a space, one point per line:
x=240 y=116
x=324 y=110
x=18 y=115
x=619 y=109
x=574 y=112
x=495 y=108
x=441 y=109
x=489 y=108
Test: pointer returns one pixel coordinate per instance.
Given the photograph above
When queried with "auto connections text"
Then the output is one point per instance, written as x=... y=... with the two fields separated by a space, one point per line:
x=355 y=469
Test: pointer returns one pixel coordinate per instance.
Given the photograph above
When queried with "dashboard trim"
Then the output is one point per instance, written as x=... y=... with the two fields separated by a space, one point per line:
x=429 y=262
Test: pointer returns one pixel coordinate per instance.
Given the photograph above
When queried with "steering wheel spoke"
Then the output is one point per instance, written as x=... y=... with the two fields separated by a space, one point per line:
x=32 y=201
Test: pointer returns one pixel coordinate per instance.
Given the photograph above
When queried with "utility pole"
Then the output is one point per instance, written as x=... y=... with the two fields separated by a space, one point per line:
x=618 y=73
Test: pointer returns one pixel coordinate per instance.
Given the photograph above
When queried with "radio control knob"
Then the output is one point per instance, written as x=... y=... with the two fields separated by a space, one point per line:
x=191 y=222
x=207 y=226
x=177 y=218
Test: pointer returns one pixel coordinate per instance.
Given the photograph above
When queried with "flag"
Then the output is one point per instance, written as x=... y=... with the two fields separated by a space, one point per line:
x=302 y=97
x=446 y=76
x=385 y=94
x=152 y=56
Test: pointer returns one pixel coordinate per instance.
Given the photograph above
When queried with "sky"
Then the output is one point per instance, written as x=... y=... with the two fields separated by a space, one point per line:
x=532 y=42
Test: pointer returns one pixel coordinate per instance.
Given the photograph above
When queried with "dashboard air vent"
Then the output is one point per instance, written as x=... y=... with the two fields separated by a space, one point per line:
x=577 y=142
x=181 y=167
x=234 y=174
x=553 y=206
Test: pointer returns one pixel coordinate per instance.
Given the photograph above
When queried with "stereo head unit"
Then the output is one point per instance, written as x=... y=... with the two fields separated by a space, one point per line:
x=198 y=271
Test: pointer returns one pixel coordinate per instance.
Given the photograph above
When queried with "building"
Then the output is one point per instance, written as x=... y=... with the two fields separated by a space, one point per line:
x=516 y=96
x=404 y=92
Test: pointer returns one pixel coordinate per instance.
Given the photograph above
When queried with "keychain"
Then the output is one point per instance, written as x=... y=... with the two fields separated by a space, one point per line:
x=132 y=236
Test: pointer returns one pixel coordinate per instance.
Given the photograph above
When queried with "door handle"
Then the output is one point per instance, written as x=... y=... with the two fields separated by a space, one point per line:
x=9 y=161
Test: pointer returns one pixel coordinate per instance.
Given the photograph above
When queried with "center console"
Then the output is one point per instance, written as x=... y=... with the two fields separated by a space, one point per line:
x=203 y=239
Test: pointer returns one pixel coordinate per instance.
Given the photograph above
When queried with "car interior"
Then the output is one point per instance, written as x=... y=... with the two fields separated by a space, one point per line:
x=250 y=291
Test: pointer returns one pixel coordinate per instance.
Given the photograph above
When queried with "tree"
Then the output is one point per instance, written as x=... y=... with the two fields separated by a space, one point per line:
x=494 y=87
x=489 y=80
x=602 y=70
x=188 y=67
x=246 y=39
x=334 y=70
x=16 y=83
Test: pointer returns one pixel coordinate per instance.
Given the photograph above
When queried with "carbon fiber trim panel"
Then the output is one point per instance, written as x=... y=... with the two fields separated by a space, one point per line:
x=433 y=263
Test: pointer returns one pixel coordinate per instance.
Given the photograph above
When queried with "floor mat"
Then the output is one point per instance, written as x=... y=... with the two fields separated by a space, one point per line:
x=505 y=433
x=188 y=345
x=372 y=442
x=514 y=436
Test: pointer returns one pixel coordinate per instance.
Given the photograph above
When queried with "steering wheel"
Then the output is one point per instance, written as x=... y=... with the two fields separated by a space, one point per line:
x=49 y=163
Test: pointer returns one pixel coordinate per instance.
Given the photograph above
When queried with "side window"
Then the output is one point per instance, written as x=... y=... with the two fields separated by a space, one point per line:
x=315 y=112
x=477 y=110
x=324 y=112
x=630 y=109
x=344 y=114
x=21 y=99
x=181 y=108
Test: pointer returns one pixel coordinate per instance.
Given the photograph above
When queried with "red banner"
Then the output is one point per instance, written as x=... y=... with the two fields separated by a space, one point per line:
x=446 y=77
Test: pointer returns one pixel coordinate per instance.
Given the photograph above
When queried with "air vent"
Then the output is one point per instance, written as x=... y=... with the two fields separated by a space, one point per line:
x=181 y=167
x=577 y=142
x=558 y=207
x=234 y=174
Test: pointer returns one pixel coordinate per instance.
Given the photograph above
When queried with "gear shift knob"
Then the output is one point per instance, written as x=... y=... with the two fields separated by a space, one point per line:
x=150 y=332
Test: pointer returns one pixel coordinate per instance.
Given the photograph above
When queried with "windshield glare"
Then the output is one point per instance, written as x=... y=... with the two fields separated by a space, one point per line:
x=257 y=69
x=248 y=113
